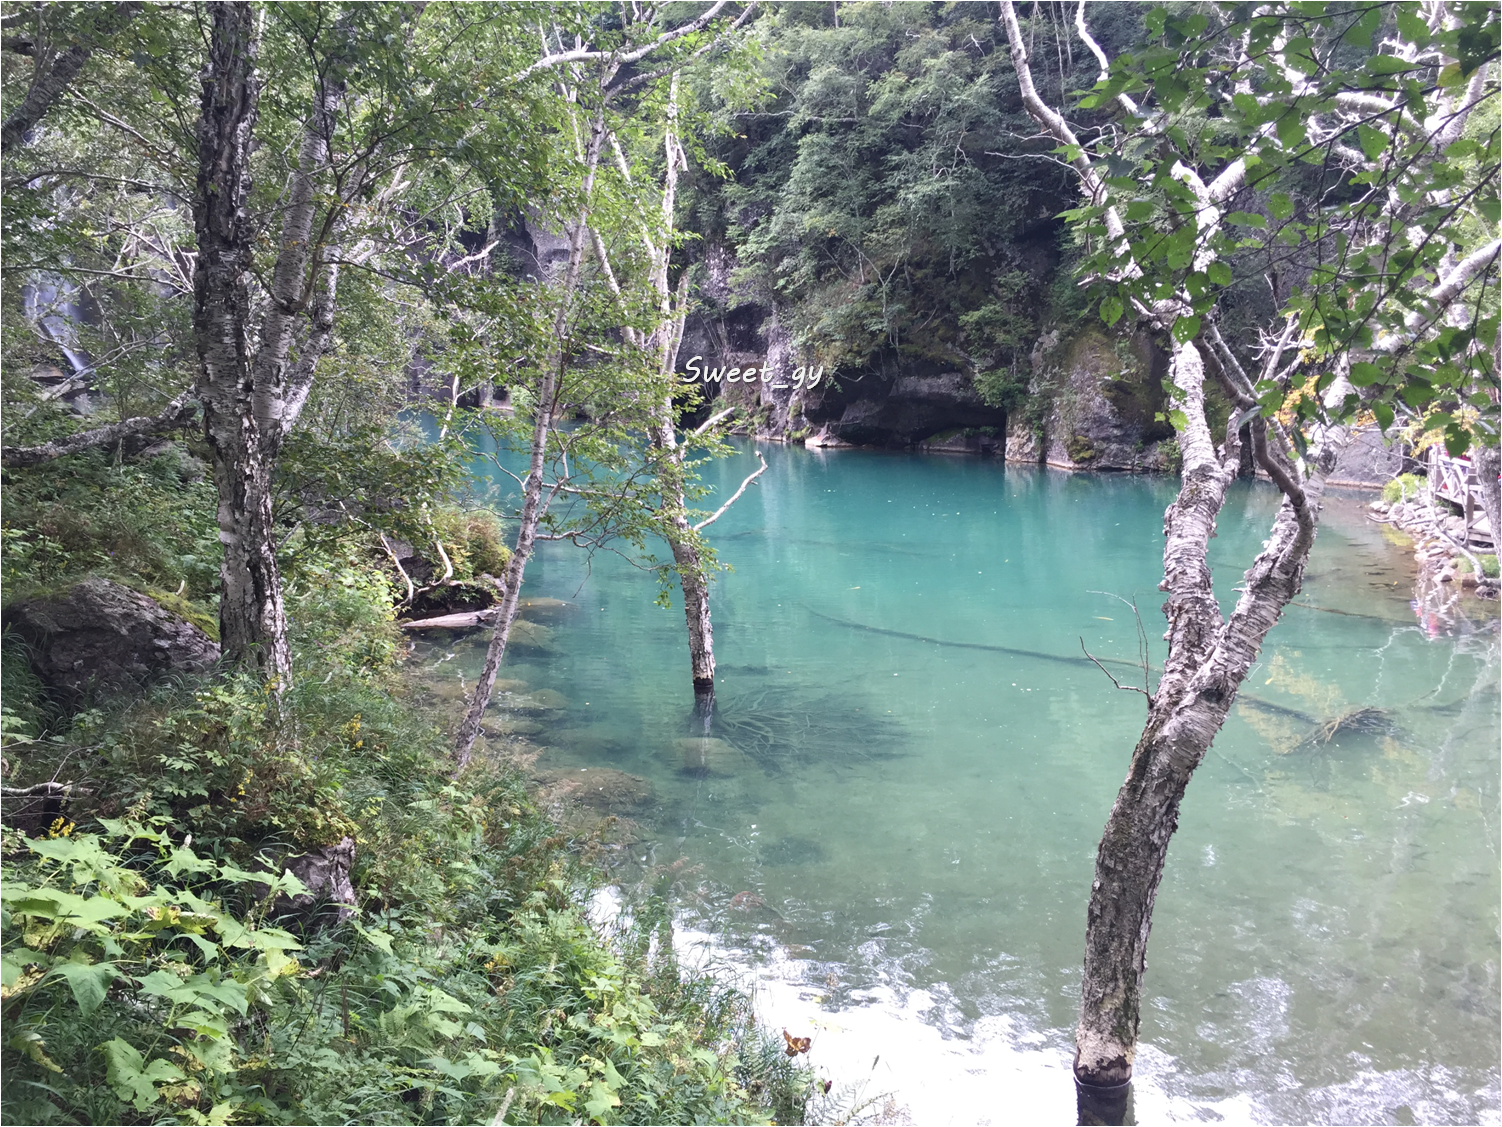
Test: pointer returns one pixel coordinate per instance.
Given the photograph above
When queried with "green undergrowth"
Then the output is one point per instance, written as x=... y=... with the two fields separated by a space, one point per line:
x=1489 y=566
x=1404 y=487
x=148 y=979
x=149 y=524
x=148 y=976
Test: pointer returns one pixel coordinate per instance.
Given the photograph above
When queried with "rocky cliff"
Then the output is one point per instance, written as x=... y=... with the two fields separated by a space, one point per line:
x=1094 y=401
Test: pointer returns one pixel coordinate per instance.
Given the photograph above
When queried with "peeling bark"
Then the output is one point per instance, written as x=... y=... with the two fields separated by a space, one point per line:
x=693 y=576
x=252 y=396
x=1207 y=660
x=252 y=618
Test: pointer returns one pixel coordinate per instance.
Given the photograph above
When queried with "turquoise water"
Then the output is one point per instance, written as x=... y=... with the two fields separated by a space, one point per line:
x=892 y=835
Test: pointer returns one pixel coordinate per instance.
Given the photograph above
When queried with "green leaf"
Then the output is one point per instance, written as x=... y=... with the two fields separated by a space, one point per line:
x=1373 y=141
x=1411 y=25
x=131 y=1078
x=87 y=912
x=1450 y=75
x=1388 y=64
x=15 y=961
x=88 y=981
x=200 y=990
x=1290 y=129
x=1247 y=219
x=184 y=860
x=599 y=1104
x=1457 y=440
x=1364 y=374
x=1280 y=205
x=377 y=939
x=1219 y=273
x=1111 y=309
x=1186 y=329
x=1384 y=414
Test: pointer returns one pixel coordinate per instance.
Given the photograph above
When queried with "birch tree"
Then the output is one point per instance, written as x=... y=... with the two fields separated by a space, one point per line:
x=617 y=393
x=692 y=561
x=1387 y=304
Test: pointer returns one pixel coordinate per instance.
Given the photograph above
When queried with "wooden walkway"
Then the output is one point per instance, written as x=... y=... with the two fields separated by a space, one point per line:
x=1455 y=480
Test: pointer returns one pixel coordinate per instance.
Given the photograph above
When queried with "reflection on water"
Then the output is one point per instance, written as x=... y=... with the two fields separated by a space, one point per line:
x=888 y=826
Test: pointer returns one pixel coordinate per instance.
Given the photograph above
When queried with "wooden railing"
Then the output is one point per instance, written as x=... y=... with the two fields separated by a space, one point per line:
x=1455 y=480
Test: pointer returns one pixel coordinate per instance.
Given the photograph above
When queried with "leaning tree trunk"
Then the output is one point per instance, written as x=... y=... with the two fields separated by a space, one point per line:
x=526 y=538
x=1207 y=661
x=535 y=497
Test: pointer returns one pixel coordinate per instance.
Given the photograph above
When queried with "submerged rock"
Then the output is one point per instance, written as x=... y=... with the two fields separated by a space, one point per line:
x=707 y=755
x=544 y=607
x=529 y=635
x=542 y=700
x=591 y=741
x=602 y=789
x=100 y=636
x=513 y=726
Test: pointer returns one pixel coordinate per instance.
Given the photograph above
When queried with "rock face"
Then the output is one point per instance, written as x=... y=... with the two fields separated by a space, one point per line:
x=1094 y=403
x=1368 y=461
x=906 y=409
x=1103 y=397
x=98 y=636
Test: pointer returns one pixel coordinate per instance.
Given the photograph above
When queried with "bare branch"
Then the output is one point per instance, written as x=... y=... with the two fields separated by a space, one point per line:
x=1100 y=56
x=1114 y=681
x=703 y=524
x=709 y=422
x=584 y=54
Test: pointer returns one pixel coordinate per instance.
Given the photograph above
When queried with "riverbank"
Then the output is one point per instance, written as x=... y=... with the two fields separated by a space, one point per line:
x=423 y=956
x=1440 y=545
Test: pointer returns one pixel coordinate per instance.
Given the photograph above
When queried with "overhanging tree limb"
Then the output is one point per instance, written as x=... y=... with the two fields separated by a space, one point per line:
x=177 y=414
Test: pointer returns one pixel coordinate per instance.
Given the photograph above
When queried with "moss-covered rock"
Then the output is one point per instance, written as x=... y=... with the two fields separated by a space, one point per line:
x=98 y=636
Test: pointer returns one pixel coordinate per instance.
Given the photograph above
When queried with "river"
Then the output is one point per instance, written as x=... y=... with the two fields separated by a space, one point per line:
x=890 y=839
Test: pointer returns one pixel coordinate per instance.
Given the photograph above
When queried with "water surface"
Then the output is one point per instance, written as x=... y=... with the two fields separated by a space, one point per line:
x=892 y=837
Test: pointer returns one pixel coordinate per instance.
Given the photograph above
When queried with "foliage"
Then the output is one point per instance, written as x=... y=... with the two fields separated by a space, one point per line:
x=880 y=197
x=1367 y=145
x=468 y=972
x=1402 y=487
x=1488 y=562
x=143 y=983
x=147 y=523
x=474 y=541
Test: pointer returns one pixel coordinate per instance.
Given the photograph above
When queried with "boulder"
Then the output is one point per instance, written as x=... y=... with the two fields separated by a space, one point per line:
x=603 y=790
x=1367 y=461
x=324 y=872
x=99 y=636
x=702 y=756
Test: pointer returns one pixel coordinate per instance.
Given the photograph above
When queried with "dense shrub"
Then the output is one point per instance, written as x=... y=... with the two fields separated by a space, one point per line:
x=1405 y=487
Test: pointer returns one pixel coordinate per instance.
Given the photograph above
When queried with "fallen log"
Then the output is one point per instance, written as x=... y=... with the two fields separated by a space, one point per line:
x=464 y=620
